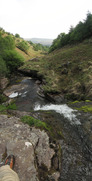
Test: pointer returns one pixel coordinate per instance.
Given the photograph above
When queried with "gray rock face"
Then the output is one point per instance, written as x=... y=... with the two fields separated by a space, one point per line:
x=30 y=147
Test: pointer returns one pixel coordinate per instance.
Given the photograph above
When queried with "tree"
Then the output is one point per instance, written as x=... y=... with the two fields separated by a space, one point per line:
x=17 y=35
x=88 y=25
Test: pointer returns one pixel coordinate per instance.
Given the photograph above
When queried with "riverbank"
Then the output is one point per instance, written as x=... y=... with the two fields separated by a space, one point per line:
x=68 y=134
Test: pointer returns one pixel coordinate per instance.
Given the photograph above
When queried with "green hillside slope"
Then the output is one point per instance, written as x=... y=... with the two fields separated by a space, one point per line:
x=26 y=49
x=14 y=51
x=67 y=71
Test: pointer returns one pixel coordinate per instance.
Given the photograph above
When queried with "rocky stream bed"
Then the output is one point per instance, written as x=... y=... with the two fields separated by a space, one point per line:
x=64 y=153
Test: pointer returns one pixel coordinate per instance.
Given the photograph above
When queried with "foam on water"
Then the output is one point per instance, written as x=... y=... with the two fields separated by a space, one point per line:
x=13 y=95
x=61 y=109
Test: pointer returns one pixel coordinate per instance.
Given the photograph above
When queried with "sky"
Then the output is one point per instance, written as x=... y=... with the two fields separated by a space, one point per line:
x=42 y=18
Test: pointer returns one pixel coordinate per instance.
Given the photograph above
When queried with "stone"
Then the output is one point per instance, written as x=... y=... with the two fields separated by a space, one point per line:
x=57 y=98
x=54 y=176
x=30 y=147
x=3 y=83
x=43 y=151
x=14 y=88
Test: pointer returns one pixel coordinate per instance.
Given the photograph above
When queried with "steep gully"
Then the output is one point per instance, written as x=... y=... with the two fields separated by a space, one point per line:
x=70 y=152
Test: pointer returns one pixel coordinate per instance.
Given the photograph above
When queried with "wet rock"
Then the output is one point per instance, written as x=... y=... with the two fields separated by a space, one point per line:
x=57 y=98
x=18 y=114
x=14 y=88
x=31 y=73
x=40 y=92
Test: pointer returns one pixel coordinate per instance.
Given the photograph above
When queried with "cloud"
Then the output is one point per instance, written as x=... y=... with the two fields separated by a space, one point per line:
x=42 y=18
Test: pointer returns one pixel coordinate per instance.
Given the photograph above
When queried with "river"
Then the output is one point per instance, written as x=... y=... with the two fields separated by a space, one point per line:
x=76 y=138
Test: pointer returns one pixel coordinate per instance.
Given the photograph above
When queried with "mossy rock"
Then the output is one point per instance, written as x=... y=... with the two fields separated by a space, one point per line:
x=87 y=108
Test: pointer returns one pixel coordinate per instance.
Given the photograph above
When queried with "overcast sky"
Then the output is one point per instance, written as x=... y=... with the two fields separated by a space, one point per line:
x=42 y=18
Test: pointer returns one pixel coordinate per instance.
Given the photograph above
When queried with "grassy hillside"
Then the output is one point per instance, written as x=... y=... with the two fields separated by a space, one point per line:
x=14 y=51
x=67 y=71
x=30 y=53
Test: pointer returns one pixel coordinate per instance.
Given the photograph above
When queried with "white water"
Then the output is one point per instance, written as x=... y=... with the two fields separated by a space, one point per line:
x=61 y=109
x=16 y=94
x=13 y=95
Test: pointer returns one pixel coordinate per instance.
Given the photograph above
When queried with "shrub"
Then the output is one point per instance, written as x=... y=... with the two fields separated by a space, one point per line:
x=13 y=59
x=6 y=43
x=10 y=59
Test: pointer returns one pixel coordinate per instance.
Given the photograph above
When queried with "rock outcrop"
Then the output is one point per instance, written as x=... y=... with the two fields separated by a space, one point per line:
x=30 y=147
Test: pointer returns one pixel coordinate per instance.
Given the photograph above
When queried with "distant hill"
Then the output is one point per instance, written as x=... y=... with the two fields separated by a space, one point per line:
x=43 y=41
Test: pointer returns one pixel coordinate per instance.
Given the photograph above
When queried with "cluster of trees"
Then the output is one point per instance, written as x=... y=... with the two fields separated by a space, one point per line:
x=10 y=60
x=82 y=31
x=38 y=46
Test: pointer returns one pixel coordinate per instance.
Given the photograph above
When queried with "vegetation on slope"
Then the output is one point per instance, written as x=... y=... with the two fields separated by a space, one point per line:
x=38 y=46
x=67 y=70
x=26 y=48
x=14 y=51
x=82 y=31
x=10 y=60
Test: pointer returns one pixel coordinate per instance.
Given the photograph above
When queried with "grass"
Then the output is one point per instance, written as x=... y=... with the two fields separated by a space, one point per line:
x=35 y=122
x=11 y=106
x=2 y=108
